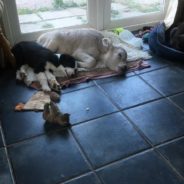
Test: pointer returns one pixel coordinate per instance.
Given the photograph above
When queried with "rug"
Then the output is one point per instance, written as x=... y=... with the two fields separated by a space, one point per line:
x=97 y=73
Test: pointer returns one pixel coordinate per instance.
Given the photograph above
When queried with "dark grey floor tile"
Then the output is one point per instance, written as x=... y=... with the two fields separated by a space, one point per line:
x=21 y=125
x=18 y=125
x=86 y=104
x=141 y=169
x=155 y=63
x=1 y=140
x=6 y=76
x=75 y=87
x=168 y=80
x=114 y=78
x=178 y=99
x=159 y=121
x=13 y=93
x=5 y=176
x=108 y=139
x=129 y=92
x=174 y=152
x=87 y=179
x=47 y=159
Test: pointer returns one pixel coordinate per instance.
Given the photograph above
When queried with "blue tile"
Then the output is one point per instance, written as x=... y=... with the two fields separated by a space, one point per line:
x=75 y=87
x=159 y=121
x=87 y=179
x=155 y=63
x=1 y=141
x=174 y=152
x=18 y=126
x=107 y=139
x=168 y=80
x=114 y=78
x=86 y=104
x=179 y=100
x=47 y=159
x=141 y=169
x=14 y=93
x=129 y=92
x=5 y=176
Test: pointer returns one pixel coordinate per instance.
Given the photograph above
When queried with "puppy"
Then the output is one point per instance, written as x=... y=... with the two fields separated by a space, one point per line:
x=43 y=65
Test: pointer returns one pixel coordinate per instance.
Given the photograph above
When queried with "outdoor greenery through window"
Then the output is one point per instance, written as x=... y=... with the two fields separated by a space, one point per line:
x=35 y=15
x=121 y=9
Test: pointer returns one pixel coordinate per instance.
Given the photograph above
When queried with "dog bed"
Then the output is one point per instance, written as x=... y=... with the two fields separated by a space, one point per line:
x=159 y=44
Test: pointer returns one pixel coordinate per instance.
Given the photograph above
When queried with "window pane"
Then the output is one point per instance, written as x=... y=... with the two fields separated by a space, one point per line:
x=130 y=8
x=35 y=15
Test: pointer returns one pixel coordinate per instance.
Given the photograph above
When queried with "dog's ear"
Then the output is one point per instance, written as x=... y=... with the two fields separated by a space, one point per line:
x=107 y=43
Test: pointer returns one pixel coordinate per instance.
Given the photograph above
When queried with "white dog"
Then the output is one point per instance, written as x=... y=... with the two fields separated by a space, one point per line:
x=88 y=46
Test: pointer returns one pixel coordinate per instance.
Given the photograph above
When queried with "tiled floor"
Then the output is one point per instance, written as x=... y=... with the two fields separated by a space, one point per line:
x=125 y=130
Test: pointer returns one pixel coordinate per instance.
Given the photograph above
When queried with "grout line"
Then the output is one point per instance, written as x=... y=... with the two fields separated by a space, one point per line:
x=78 y=89
x=57 y=130
x=162 y=67
x=7 y=155
x=143 y=103
x=175 y=104
x=159 y=92
x=76 y=177
x=37 y=136
x=144 y=136
x=169 y=142
x=85 y=156
x=98 y=117
x=124 y=159
x=168 y=163
x=129 y=120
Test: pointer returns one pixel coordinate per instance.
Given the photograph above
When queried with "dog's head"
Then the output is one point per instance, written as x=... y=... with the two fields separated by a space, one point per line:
x=114 y=57
x=67 y=66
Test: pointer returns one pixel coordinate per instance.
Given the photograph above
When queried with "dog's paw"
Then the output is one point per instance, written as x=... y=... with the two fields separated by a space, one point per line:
x=46 y=88
x=28 y=82
x=82 y=70
x=55 y=85
x=18 y=77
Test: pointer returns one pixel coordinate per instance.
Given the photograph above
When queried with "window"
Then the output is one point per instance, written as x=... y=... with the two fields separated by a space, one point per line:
x=39 y=15
x=133 y=13
x=121 y=9
x=27 y=19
